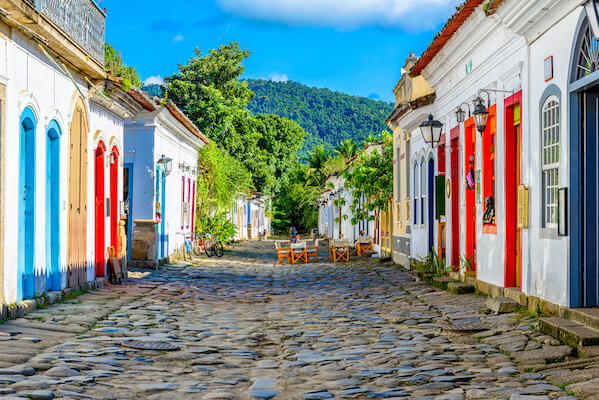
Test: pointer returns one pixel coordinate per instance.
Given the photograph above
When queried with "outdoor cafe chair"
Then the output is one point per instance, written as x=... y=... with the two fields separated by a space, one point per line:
x=312 y=249
x=363 y=244
x=340 y=250
x=283 y=252
x=299 y=252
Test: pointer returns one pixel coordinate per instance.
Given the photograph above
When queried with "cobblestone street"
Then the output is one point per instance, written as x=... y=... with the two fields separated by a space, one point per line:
x=243 y=327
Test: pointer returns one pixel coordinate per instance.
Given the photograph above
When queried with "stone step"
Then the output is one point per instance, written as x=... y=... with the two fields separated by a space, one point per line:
x=515 y=294
x=441 y=281
x=586 y=316
x=460 y=287
x=501 y=305
x=571 y=333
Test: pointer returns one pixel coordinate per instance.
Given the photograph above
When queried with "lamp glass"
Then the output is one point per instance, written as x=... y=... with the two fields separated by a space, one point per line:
x=166 y=163
x=460 y=115
x=431 y=130
x=481 y=115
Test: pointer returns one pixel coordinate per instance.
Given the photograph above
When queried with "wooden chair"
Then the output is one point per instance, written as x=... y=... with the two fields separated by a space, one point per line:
x=299 y=252
x=340 y=250
x=283 y=252
x=312 y=249
x=363 y=245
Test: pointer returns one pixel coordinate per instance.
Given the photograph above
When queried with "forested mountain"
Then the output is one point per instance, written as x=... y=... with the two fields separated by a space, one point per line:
x=328 y=117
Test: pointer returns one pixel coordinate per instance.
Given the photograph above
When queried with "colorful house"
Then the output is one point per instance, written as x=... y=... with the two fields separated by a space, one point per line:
x=411 y=197
x=161 y=167
x=250 y=213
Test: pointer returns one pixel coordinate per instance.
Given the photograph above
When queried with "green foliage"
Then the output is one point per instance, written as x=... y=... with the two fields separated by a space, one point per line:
x=113 y=63
x=296 y=203
x=328 y=117
x=317 y=160
x=371 y=175
x=218 y=225
x=209 y=91
x=430 y=265
x=467 y=262
x=346 y=149
x=224 y=179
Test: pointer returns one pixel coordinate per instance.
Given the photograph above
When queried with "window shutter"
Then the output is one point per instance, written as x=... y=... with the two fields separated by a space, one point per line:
x=440 y=196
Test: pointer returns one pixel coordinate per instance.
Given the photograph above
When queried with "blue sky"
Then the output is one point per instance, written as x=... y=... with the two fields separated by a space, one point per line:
x=354 y=46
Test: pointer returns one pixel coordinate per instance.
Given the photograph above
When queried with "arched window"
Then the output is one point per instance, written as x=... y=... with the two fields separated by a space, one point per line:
x=416 y=193
x=588 y=55
x=423 y=190
x=550 y=140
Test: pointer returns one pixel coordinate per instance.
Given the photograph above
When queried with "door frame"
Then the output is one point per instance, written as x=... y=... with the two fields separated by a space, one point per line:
x=129 y=168
x=100 y=209
x=114 y=199
x=455 y=194
x=53 y=194
x=431 y=204
x=27 y=169
x=470 y=133
x=513 y=163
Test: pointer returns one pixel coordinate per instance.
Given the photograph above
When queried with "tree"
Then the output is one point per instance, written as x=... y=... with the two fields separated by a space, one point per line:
x=224 y=177
x=371 y=175
x=346 y=149
x=317 y=160
x=113 y=63
x=296 y=203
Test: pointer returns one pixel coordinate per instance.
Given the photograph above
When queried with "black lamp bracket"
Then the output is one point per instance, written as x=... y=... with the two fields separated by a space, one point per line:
x=488 y=93
x=467 y=106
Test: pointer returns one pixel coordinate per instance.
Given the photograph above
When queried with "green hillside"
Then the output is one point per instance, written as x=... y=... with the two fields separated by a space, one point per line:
x=328 y=117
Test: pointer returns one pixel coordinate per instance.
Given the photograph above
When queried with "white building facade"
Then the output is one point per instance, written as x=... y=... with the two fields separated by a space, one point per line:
x=161 y=165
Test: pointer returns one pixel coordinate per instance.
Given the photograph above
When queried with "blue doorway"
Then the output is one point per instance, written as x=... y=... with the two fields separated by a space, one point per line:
x=431 y=205
x=53 y=276
x=26 y=255
x=160 y=213
x=128 y=201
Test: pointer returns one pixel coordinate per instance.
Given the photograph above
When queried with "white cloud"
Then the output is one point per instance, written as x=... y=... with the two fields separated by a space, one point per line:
x=154 y=80
x=344 y=14
x=178 y=38
x=275 y=76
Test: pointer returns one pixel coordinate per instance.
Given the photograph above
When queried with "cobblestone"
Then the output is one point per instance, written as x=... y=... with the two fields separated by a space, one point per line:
x=242 y=327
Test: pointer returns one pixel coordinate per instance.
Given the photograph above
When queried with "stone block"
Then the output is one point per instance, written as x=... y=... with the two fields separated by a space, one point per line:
x=495 y=291
x=454 y=275
x=13 y=311
x=481 y=286
x=501 y=305
x=54 y=297
x=28 y=306
x=460 y=287
x=552 y=325
x=470 y=280
x=578 y=336
x=533 y=304
x=516 y=295
x=548 y=308
x=441 y=281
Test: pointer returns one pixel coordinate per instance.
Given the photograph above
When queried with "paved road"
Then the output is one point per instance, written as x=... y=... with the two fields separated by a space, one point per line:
x=247 y=328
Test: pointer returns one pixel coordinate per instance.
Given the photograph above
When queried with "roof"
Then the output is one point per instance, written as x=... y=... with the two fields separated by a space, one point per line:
x=182 y=118
x=402 y=109
x=454 y=23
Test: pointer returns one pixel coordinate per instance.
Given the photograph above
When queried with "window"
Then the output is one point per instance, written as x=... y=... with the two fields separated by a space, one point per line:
x=398 y=174
x=489 y=146
x=423 y=191
x=183 y=203
x=550 y=159
x=416 y=194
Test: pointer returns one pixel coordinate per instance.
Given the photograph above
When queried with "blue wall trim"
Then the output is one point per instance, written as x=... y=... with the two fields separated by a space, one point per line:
x=53 y=274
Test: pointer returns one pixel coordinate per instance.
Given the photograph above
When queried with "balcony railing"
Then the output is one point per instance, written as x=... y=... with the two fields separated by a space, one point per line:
x=82 y=20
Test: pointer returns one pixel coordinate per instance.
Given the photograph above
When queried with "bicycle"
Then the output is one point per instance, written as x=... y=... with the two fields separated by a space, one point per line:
x=203 y=243
x=217 y=248
x=187 y=247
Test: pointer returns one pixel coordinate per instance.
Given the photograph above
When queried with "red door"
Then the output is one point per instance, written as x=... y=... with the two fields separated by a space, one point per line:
x=99 y=210
x=513 y=175
x=470 y=187
x=114 y=199
x=455 y=196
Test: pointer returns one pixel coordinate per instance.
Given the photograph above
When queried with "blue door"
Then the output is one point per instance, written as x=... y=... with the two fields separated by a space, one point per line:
x=128 y=200
x=53 y=276
x=26 y=259
x=431 y=205
x=160 y=210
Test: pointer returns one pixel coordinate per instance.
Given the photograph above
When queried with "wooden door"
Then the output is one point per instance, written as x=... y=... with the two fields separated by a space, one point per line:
x=27 y=164
x=114 y=199
x=455 y=202
x=77 y=212
x=470 y=190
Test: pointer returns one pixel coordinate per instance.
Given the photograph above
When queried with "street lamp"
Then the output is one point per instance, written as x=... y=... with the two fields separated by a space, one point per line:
x=592 y=9
x=460 y=114
x=431 y=130
x=166 y=164
x=481 y=114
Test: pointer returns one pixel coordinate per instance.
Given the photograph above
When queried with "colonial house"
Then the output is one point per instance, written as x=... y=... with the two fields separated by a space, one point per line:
x=250 y=215
x=160 y=167
x=61 y=138
x=412 y=194
x=514 y=85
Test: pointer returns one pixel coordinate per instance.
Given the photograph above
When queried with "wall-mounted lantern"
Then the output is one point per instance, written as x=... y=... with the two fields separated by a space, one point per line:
x=431 y=130
x=481 y=114
x=460 y=114
x=166 y=164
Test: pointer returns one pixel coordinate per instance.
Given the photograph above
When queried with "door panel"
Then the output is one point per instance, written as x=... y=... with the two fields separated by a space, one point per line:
x=455 y=203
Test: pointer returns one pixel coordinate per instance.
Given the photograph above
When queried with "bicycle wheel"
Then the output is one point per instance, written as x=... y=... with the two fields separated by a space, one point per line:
x=218 y=249
x=208 y=247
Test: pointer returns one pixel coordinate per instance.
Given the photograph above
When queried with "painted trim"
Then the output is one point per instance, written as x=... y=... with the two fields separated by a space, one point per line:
x=27 y=226
x=129 y=167
x=53 y=214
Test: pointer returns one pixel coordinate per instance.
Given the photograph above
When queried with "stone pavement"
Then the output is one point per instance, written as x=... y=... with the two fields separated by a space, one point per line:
x=243 y=327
